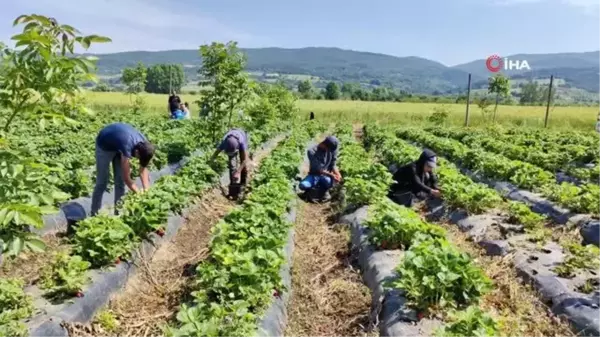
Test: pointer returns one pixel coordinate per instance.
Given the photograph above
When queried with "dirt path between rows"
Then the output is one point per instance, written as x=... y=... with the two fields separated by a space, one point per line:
x=520 y=308
x=28 y=265
x=328 y=296
x=152 y=297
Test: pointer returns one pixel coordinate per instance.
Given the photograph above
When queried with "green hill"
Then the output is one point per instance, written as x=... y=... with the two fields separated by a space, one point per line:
x=331 y=64
x=413 y=74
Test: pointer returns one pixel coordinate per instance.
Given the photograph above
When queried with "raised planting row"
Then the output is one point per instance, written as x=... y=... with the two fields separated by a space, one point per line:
x=27 y=209
x=562 y=270
x=28 y=191
x=528 y=135
x=105 y=240
x=414 y=273
x=581 y=199
x=553 y=157
x=460 y=192
x=64 y=154
x=249 y=252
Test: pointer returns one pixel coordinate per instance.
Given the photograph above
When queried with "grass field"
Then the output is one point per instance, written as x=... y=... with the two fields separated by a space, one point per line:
x=560 y=117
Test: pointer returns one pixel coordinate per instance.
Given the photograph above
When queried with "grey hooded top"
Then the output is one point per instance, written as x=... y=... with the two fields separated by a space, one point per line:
x=321 y=159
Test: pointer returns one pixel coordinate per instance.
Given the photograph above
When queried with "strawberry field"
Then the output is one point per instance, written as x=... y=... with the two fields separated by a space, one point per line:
x=510 y=248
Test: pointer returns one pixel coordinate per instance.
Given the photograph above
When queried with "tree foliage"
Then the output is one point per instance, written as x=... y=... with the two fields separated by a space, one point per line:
x=40 y=80
x=223 y=70
x=135 y=78
x=165 y=78
x=332 y=91
x=500 y=86
x=40 y=77
x=306 y=89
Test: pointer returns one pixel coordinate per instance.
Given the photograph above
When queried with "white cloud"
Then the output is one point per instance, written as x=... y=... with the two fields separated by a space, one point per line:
x=134 y=24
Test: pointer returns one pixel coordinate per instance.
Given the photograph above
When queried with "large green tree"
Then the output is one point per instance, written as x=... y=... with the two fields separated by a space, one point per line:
x=223 y=70
x=306 y=89
x=40 y=77
x=165 y=78
x=332 y=91
x=530 y=94
x=135 y=78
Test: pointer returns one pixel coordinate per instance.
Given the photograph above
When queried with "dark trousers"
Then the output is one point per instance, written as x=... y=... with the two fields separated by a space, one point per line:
x=406 y=197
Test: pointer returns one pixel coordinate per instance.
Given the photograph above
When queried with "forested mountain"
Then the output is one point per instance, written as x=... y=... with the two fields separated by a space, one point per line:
x=412 y=74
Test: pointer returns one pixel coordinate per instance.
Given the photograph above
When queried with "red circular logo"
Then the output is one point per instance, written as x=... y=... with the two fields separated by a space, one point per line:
x=494 y=63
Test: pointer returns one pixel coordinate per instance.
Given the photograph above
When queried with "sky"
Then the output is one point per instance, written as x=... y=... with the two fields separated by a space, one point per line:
x=447 y=31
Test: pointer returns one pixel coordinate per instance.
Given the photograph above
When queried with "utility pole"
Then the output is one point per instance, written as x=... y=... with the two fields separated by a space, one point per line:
x=549 y=99
x=468 y=101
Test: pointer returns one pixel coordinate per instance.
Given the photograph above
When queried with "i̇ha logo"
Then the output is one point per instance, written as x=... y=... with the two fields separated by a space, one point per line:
x=494 y=63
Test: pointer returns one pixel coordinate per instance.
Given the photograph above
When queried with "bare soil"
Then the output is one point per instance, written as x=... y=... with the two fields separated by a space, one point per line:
x=328 y=295
x=27 y=266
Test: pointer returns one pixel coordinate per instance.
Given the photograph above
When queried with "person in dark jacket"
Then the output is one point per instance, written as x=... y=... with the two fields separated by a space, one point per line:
x=416 y=180
x=323 y=170
x=312 y=115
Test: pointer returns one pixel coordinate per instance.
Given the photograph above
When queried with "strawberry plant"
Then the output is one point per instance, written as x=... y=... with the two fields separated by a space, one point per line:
x=549 y=154
x=65 y=276
x=239 y=281
x=102 y=239
x=577 y=258
x=433 y=273
x=145 y=212
x=15 y=305
x=393 y=226
x=470 y=322
x=364 y=181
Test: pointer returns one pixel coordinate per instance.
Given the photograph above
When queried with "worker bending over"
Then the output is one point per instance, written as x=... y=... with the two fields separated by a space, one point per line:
x=118 y=143
x=323 y=171
x=416 y=180
x=235 y=144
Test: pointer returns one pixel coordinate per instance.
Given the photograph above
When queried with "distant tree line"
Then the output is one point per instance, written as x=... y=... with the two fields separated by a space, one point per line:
x=498 y=92
x=157 y=79
x=161 y=78
x=355 y=92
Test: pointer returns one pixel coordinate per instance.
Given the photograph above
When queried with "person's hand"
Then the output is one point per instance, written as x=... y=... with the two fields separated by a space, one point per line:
x=436 y=193
x=236 y=176
x=337 y=177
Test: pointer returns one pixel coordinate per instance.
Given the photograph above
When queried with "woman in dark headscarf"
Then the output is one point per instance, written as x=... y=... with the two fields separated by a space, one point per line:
x=416 y=180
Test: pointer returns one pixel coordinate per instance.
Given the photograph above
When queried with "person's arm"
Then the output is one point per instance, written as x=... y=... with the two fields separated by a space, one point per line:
x=333 y=162
x=244 y=162
x=336 y=175
x=434 y=181
x=418 y=184
x=145 y=177
x=126 y=171
x=215 y=154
